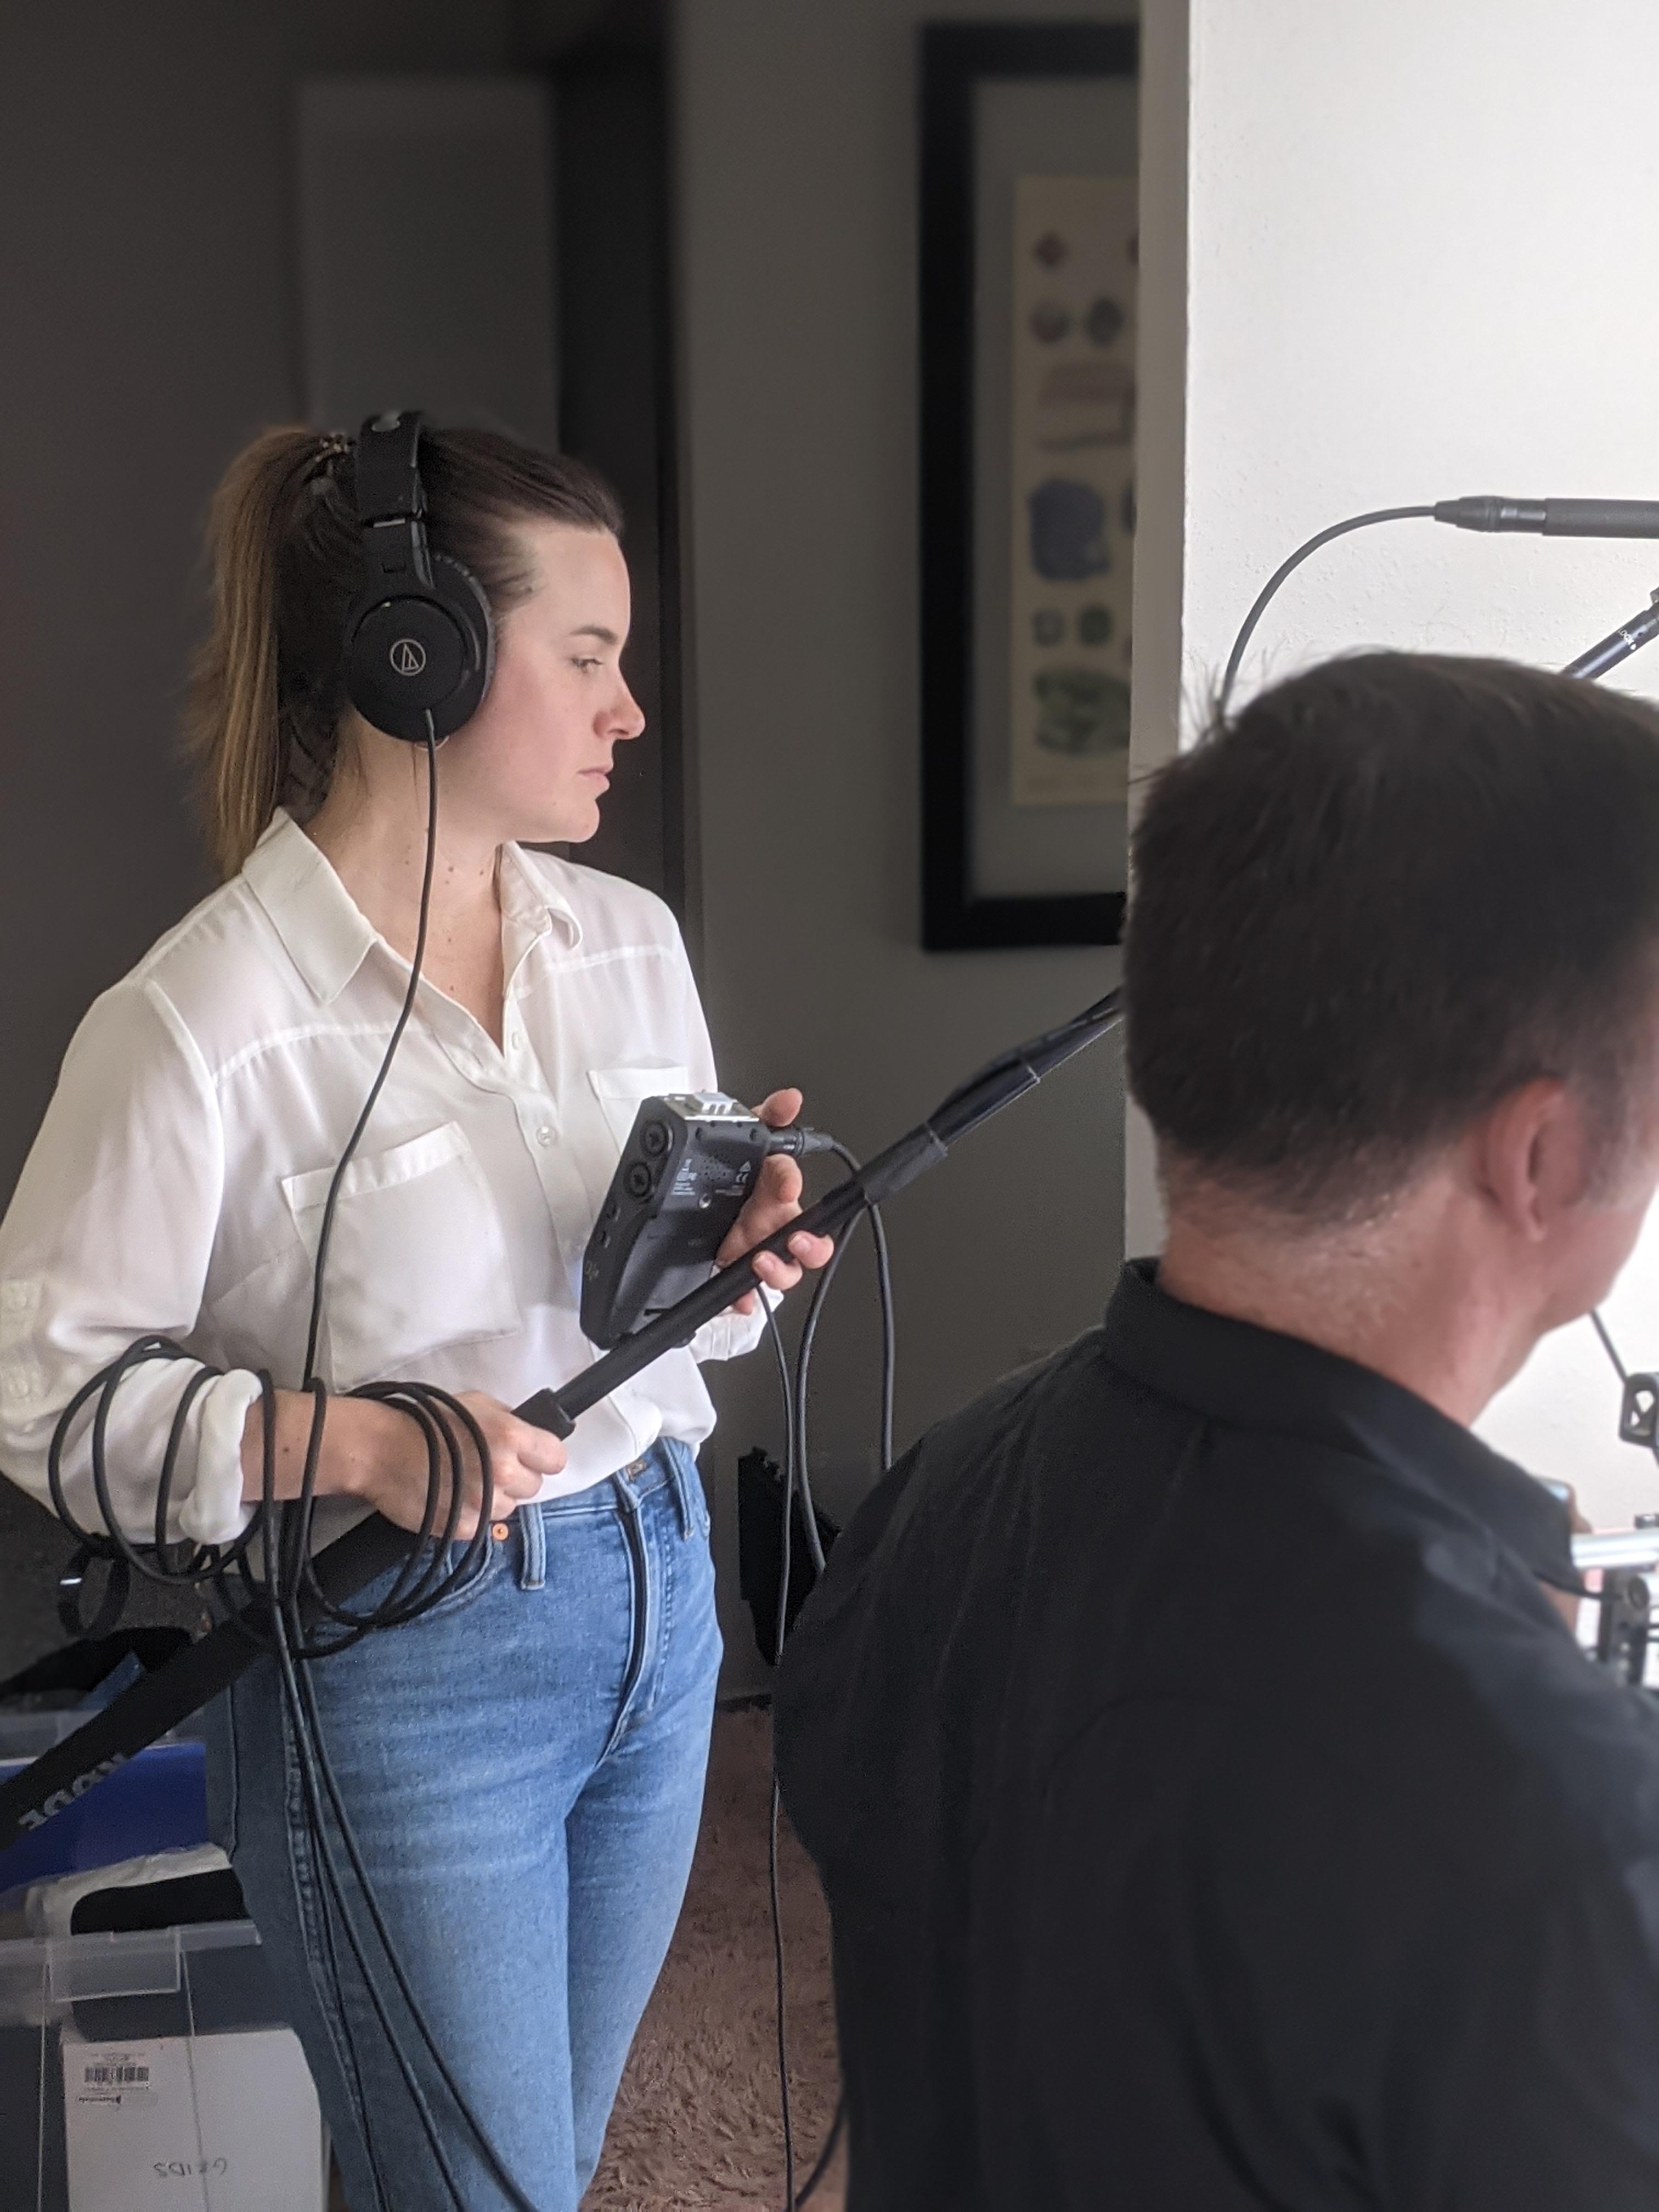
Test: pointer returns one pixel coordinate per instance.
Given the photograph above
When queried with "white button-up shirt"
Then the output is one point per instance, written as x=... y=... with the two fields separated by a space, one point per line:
x=177 y=1184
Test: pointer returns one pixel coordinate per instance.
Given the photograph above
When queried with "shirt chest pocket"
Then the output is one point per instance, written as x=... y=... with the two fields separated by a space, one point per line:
x=619 y=1090
x=417 y=1256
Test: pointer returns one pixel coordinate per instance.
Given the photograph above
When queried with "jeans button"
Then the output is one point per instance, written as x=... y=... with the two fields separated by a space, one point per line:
x=498 y=1531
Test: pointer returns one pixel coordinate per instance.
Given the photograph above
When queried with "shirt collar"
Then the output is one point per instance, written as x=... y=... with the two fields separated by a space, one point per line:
x=327 y=936
x=531 y=907
x=1254 y=1378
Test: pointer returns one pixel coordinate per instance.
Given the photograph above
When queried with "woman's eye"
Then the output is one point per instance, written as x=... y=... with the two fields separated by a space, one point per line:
x=586 y=665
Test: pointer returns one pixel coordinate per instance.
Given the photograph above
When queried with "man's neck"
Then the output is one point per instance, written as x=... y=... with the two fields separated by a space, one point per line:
x=1404 y=1295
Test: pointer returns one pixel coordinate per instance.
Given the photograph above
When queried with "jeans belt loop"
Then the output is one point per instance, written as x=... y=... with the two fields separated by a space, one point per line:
x=683 y=1466
x=532 y=1547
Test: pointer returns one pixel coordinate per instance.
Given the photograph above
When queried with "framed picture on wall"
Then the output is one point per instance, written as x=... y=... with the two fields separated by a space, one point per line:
x=1029 y=245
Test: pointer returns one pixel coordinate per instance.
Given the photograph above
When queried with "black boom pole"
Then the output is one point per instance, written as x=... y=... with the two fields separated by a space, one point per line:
x=183 y=1685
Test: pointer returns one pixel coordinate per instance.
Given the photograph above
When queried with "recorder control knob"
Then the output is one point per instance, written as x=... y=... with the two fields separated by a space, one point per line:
x=637 y=1181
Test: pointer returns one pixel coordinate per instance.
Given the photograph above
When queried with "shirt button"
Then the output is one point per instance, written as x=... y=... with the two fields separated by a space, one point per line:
x=514 y=1039
x=498 y=1531
x=544 y=1133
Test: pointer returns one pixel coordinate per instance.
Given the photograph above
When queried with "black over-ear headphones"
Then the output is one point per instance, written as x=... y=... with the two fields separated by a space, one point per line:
x=419 y=639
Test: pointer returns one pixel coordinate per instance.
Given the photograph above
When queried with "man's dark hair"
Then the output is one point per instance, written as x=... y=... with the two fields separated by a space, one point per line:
x=1381 y=897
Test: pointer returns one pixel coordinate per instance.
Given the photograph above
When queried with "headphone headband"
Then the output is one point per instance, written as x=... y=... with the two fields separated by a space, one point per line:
x=389 y=467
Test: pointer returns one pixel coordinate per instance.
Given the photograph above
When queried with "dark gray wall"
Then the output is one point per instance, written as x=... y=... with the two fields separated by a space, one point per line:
x=147 y=272
x=795 y=126
x=616 y=412
x=147 y=288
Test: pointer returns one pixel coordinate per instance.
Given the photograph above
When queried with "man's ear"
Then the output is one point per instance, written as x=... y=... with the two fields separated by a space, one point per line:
x=1531 y=1156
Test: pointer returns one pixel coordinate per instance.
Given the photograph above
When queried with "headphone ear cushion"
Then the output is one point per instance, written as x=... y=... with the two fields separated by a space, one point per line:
x=421 y=653
x=463 y=594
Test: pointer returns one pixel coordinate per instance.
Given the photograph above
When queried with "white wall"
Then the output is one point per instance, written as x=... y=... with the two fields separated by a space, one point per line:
x=1419 y=241
x=795 y=123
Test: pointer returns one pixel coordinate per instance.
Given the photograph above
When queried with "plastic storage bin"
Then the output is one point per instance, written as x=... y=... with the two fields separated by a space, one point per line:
x=153 y=2072
x=157 y=1802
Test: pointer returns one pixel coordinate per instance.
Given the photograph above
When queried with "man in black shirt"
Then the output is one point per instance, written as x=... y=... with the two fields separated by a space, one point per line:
x=1215 y=1808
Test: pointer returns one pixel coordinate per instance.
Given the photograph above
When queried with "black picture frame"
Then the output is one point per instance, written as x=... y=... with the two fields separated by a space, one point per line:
x=954 y=59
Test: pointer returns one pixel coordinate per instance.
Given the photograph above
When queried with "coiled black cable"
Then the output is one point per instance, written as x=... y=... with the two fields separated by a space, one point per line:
x=279 y=1534
x=428 y=1574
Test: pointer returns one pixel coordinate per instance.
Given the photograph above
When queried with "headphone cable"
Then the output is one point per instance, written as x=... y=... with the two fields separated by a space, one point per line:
x=797 y=1486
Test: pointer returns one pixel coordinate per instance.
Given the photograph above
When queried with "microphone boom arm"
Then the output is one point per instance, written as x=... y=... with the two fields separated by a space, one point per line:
x=996 y=1086
x=1618 y=644
x=182 y=1685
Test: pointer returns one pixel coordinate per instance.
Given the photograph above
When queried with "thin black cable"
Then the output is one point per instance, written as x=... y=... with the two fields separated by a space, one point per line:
x=1612 y=1348
x=798 y=1438
x=829 y=2151
x=333 y=1894
x=427 y=1406
x=1268 y=590
x=798 y=1482
x=317 y=1750
x=1246 y=630
x=279 y=1534
x=326 y=1228
x=780 y=1630
x=889 y=1325
x=791 y=2201
x=808 y=1341
x=1601 y=1329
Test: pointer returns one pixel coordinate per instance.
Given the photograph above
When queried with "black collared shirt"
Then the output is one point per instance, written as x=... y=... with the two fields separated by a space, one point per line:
x=1213 y=1809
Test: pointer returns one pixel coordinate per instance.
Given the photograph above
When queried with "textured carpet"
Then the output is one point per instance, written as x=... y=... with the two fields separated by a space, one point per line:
x=697 y=2126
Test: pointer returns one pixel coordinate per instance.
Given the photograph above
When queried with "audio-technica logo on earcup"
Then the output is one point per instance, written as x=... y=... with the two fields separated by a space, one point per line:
x=407 y=656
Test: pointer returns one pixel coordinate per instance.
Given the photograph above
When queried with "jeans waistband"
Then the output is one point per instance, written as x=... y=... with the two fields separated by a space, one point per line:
x=668 y=1465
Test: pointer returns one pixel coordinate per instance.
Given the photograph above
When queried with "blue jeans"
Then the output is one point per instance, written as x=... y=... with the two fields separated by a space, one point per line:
x=524 y=1771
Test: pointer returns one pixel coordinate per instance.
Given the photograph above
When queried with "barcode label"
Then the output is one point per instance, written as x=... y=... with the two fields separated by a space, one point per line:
x=113 y=2077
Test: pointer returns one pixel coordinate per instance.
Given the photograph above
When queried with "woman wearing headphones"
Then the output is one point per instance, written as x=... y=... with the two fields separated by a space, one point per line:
x=522 y=1766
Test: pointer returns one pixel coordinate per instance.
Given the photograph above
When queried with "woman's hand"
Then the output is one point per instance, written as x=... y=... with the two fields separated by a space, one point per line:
x=375 y=1453
x=775 y=1200
x=520 y=1457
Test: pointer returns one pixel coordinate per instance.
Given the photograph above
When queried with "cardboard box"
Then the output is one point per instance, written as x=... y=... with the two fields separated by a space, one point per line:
x=211 y=2123
x=153 y=2072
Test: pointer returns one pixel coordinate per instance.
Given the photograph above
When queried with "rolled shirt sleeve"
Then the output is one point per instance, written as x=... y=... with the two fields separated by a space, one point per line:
x=107 y=1239
x=207 y=1098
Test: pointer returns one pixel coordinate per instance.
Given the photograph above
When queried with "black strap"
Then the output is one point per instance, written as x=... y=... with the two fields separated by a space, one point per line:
x=179 y=1687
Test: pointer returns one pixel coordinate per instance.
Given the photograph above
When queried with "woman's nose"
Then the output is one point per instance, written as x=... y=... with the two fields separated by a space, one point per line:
x=627 y=721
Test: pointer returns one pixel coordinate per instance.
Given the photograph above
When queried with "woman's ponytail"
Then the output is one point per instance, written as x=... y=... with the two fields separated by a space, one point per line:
x=267 y=698
x=233 y=718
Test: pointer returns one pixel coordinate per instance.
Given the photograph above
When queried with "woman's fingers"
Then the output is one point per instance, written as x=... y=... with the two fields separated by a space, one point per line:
x=537 y=1450
x=521 y=1457
x=780 y=1274
x=774 y=1203
x=780 y=1110
x=775 y=1200
x=809 y=1252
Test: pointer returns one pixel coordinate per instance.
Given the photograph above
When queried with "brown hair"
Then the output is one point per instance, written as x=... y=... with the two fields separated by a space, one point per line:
x=1383 y=895
x=266 y=694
